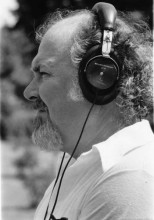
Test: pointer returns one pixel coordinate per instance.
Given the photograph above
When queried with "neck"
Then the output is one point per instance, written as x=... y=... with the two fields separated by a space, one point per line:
x=102 y=124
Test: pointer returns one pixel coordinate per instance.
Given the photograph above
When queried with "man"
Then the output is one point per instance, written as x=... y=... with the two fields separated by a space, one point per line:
x=112 y=176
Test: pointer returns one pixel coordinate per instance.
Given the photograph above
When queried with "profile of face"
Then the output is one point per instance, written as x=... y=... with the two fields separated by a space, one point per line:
x=55 y=93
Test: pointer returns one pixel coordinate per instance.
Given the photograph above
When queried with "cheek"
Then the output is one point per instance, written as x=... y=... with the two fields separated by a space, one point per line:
x=52 y=92
x=55 y=96
x=62 y=110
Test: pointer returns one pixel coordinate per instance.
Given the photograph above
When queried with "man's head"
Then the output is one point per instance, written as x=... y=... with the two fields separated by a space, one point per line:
x=64 y=41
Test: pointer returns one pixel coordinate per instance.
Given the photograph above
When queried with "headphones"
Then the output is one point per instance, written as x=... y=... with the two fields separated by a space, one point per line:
x=98 y=70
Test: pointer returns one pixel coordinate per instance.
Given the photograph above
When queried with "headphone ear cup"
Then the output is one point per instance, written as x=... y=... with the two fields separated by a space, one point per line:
x=101 y=72
x=98 y=75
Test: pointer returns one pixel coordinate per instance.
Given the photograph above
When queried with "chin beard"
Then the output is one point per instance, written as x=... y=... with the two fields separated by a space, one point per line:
x=46 y=135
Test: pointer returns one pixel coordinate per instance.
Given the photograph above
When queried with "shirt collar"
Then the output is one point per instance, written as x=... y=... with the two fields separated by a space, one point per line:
x=123 y=141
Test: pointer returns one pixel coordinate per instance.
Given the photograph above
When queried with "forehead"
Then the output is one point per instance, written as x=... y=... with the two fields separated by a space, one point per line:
x=54 y=47
x=57 y=41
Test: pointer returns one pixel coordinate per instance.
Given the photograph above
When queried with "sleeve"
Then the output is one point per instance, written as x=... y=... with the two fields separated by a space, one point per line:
x=128 y=195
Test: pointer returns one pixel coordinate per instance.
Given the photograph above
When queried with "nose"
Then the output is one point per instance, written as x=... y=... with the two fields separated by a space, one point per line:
x=31 y=91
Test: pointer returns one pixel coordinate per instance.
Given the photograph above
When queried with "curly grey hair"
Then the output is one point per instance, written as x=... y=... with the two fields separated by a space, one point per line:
x=132 y=45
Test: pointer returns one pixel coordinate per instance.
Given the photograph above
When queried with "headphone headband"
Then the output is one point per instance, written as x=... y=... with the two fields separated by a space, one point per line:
x=106 y=15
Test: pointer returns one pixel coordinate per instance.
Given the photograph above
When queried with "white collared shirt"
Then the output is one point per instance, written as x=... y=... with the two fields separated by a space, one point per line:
x=113 y=181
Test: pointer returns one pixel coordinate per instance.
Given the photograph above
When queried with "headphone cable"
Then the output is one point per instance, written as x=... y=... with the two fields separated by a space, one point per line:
x=57 y=177
x=51 y=215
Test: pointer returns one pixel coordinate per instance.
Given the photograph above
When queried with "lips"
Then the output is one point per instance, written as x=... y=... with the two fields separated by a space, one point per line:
x=42 y=114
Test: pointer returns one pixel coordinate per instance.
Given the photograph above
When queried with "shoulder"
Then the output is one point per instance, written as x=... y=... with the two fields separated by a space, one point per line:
x=125 y=194
x=125 y=190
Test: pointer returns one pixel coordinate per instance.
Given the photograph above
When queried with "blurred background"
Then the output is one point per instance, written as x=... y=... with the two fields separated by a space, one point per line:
x=26 y=171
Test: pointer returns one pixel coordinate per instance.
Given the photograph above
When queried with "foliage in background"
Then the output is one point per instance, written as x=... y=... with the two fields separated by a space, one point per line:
x=15 y=74
x=37 y=170
x=17 y=50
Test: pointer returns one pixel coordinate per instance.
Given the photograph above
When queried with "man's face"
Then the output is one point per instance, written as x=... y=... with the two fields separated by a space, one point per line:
x=61 y=118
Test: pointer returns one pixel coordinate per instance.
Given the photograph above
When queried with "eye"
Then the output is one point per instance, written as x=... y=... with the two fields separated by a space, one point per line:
x=44 y=74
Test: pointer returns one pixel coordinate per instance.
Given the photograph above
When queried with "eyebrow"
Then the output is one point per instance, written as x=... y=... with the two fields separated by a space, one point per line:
x=36 y=67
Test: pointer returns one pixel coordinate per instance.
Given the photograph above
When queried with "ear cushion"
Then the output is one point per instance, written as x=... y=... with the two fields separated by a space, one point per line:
x=92 y=91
